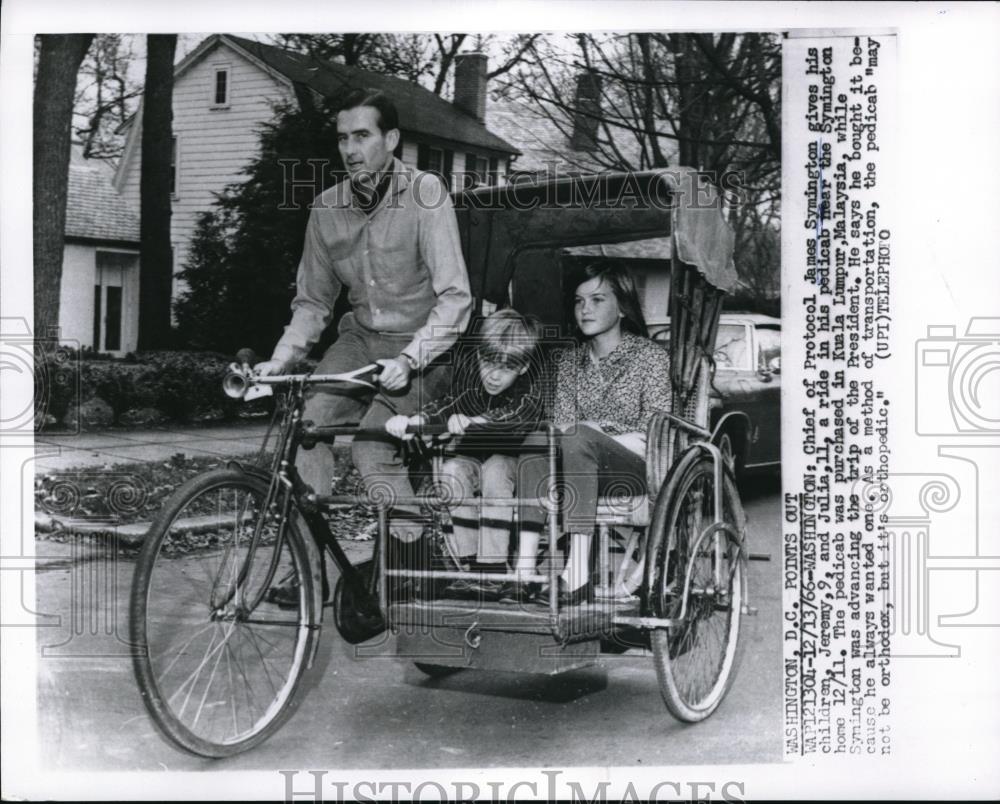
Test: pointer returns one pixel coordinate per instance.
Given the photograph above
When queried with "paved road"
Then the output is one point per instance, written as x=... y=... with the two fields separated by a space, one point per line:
x=380 y=712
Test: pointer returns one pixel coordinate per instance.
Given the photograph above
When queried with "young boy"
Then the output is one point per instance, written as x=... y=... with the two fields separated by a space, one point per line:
x=498 y=395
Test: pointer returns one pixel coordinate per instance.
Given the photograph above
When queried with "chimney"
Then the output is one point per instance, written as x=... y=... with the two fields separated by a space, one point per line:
x=586 y=110
x=470 y=84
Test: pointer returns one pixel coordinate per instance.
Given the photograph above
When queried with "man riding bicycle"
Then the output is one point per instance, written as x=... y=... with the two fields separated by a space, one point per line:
x=389 y=235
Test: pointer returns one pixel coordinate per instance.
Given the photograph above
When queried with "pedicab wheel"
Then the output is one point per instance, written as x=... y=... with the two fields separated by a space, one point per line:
x=436 y=670
x=219 y=666
x=695 y=660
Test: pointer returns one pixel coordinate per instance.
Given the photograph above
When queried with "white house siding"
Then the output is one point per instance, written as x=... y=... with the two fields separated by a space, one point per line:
x=76 y=295
x=213 y=144
x=409 y=153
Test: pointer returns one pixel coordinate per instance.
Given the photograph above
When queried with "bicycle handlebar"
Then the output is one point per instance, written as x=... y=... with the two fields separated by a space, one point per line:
x=240 y=379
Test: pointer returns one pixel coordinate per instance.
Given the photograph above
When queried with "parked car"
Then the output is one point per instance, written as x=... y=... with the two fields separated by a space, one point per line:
x=746 y=398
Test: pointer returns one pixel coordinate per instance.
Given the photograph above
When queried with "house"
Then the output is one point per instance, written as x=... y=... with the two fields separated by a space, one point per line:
x=228 y=86
x=99 y=291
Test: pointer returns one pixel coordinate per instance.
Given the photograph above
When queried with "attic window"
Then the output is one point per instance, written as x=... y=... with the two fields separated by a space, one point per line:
x=220 y=87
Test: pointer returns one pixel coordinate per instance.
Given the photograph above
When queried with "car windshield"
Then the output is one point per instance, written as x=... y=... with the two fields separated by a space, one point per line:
x=731 y=347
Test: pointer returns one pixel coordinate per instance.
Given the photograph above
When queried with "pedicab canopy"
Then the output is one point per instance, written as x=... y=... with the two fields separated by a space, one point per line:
x=497 y=223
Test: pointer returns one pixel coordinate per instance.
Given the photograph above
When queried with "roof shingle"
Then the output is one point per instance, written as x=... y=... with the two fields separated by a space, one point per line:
x=420 y=110
x=94 y=210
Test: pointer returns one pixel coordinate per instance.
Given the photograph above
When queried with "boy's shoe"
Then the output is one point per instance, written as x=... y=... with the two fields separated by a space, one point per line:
x=582 y=594
x=458 y=589
x=517 y=592
x=485 y=590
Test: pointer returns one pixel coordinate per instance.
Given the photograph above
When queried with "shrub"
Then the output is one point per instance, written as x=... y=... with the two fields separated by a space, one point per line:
x=186 y=386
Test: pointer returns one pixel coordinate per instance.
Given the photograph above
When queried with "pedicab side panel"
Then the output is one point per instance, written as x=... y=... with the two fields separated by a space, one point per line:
x=453 y=634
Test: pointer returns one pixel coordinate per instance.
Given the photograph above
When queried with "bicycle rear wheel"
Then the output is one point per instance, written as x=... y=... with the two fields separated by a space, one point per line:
x=696 y=659
x=217 y=666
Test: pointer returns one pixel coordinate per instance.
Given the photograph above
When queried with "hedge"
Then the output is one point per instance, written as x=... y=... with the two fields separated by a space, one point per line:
x=180 y=387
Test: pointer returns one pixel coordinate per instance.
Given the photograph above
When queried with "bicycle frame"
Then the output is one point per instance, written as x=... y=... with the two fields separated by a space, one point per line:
x=285 y=480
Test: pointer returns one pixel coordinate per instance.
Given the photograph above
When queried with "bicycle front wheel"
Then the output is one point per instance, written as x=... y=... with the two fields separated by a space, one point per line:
x=696 y=659
x=218 y=665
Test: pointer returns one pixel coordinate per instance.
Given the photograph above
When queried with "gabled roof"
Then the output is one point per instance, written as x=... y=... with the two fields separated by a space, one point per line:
x=94 y=209
x=420 y=110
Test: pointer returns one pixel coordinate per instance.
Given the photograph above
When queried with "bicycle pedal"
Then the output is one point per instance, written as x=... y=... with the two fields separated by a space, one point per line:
x=749 y=611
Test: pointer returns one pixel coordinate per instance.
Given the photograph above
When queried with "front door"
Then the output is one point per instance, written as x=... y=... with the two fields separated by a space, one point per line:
x=115 y=275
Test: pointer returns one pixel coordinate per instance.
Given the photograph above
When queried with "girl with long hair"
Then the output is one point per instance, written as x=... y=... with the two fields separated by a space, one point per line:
x=606 y=391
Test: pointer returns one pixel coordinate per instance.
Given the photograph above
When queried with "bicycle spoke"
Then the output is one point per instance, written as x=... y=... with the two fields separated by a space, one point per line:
x=263 y=661
x=183 y=647
x=220 y=678
x=229 y=673
x=211 y=679
x=197 y=671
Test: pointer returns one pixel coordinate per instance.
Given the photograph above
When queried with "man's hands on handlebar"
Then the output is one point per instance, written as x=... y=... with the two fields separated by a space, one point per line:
x=269 y=367
x=395 y=373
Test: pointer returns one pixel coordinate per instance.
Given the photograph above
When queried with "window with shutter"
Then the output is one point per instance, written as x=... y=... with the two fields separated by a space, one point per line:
x=469 y=179
x=435 y=160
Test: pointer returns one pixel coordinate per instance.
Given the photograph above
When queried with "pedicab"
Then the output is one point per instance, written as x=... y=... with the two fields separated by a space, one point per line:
x=220 y=665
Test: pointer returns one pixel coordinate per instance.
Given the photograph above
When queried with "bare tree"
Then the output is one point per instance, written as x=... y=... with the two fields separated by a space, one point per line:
x=426 y=59
x=105 y=95
x=59 y=58
x=660 y=94
x=354 y=50
x=709 y=101
x=155 y=257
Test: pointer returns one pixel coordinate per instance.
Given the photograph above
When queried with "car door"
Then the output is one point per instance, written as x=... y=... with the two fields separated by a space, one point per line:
x=766 y=447
x=734 y=376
